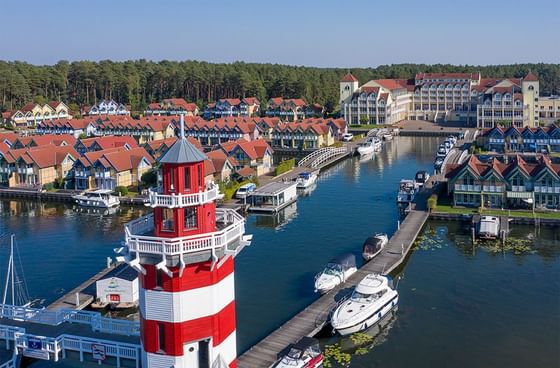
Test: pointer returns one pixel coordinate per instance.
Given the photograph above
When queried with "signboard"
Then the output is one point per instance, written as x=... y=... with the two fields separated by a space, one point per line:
x=35 y=344
x=35 y=349
x=98 y=351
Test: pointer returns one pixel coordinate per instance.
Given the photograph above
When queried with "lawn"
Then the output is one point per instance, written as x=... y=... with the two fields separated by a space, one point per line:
x=446 y=208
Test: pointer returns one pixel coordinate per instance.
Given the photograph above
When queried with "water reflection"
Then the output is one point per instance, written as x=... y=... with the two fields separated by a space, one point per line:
x=278 y=219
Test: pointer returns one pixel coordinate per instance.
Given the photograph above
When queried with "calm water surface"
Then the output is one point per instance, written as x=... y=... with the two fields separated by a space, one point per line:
x=458 y=307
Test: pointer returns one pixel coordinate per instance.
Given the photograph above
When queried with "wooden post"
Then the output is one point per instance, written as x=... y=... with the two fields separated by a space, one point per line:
x=77 y=299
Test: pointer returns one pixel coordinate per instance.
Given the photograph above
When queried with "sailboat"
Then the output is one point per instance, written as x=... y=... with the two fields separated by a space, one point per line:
x=15 y=289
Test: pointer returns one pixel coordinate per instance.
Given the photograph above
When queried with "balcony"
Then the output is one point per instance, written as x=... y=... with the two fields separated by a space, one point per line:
x=518 y=188
x=103 y=174
x=493 y=188
x=231 y=228
x=547 y=189
x=156 y=199
x=25 y=170
x=467 y=188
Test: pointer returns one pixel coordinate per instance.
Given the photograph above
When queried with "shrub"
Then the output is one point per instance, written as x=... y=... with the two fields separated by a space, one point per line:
x=231 y=187
x=149 y=178
x=285 y=166
x=48 y=186
x=59 y=183
x=432 y=202
x=121 y=190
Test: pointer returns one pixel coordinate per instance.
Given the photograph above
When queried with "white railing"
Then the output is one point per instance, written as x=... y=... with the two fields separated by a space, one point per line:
x=493 y=188
x=333 y=152
x=311 y=156
x=56 y=317
x=182 y=245
x=467 y=188
x=156 y=199
x=546 y=189
x=518 y=188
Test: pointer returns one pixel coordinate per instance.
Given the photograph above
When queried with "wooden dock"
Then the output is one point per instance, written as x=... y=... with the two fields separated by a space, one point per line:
x=313 y=318
x=86 y=297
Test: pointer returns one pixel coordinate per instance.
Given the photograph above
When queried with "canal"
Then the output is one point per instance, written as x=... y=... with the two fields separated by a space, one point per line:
x=458 y=306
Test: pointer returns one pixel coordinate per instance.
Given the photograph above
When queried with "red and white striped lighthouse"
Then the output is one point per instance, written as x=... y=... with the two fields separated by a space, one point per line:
x=184 y=252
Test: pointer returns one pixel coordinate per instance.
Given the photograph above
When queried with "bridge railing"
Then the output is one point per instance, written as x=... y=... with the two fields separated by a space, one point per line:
x=328 y=155
x=304 y=161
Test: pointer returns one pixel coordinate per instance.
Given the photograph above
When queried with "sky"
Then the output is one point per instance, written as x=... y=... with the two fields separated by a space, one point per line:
x=351 y=33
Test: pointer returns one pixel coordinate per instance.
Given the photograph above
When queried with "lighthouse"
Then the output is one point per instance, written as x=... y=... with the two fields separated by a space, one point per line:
x=184 y=252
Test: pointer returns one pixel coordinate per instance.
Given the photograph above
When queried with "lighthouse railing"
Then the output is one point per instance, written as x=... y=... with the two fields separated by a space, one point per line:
x=234 y=229
x=157 y=199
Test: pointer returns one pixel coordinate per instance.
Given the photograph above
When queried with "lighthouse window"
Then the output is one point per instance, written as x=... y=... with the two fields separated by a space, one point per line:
x=187 y=179
x=167 y=220
x=200 y=177
x=161 y=337
x=190 y=218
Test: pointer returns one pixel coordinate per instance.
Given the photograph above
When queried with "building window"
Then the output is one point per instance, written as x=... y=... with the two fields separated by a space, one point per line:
x=171 y=180
x=167 y=221
x=161 y=337
x=191 y=218
x=187 y=179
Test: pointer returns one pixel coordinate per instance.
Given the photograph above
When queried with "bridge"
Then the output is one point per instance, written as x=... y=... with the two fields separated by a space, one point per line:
x=52 y=334
x=322 y=157
x=313 y=318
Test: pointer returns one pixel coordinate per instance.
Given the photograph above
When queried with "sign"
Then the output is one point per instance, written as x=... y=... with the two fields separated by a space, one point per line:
x=35 y=349
x=98 y=351
x=35 y=344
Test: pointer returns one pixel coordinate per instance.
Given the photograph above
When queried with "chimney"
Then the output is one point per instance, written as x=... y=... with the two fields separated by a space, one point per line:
x=182 y=127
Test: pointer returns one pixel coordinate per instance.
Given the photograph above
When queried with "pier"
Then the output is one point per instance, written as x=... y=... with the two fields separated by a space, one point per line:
x=313 y=318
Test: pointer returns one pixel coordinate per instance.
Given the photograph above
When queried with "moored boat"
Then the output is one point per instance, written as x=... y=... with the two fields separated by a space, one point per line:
x=100 y=198
x=489 y=227
x=306 y=179
x=338 y=270
x=373 y=245
x=407 y=191
x=306 y=353
x=366 y=148
x=370 y=301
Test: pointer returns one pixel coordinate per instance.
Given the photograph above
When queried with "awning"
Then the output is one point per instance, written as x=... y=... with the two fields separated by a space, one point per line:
x=522 y=195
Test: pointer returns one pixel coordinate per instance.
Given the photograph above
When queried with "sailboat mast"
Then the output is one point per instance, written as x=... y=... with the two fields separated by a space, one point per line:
x=12 y=263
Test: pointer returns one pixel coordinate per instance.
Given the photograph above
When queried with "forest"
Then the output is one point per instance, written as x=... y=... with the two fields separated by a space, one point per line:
x=140 y=82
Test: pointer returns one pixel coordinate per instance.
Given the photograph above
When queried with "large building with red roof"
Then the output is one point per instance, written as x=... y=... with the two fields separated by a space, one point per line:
x=172 y=106
x=292 y=109
x=32 y=114
x=233 y=107
x=458 y=97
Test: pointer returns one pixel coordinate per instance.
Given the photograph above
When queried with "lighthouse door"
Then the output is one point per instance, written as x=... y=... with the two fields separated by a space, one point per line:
x=190 y=352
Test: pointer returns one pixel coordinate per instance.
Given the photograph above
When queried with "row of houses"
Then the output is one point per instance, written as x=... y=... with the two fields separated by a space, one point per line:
x=111 y=161
x=33 y=113
x=458 y=97
x=512 y=139
x=508 y=182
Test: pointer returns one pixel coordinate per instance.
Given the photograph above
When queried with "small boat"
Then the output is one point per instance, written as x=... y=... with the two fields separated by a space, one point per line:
x=407 y=191
x=306 y=179
x=373 y=298
x=366 y=148
x=377 y=144
x=373 y=245
x=387 y=137
x=338 y=270
x=488 y=227
x=421 y=177
x=442 y=151
x=100 y=198
x=306 y=353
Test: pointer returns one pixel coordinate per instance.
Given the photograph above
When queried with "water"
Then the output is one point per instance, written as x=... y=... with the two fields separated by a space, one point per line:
x=457 y=308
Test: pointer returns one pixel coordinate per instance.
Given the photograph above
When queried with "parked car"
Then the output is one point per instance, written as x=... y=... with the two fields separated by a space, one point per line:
x=348 y=137
x=245 y=191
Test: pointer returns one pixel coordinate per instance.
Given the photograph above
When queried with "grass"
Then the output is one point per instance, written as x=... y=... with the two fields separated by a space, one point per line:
x=448 y=208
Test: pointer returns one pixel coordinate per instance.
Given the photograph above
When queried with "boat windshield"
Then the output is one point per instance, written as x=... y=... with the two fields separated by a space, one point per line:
x=295 y=353
x=332 y=269
x=359 y=297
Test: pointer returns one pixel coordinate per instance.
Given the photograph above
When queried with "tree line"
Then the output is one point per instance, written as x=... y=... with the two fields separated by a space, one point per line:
x=140 y=82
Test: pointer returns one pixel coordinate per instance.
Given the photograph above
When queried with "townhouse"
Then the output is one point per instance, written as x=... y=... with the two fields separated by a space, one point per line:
x=224 y=165
x=232 y=107
x=36 y=166
x=549 y=110
x=456 y=97
x=172 y=106
x=107 y=107
x=75 y=127
x=213 y=132
x=256 y=154
x=292 y=109
x=101 y=143
x=43 y=140
x=144 y=130
x=83 y=176
x=32 y=114
x=526 y=139
x=302 y=135
x=509 y=182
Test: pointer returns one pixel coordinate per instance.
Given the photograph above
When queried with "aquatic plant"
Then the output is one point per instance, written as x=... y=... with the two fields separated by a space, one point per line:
x=335 y=353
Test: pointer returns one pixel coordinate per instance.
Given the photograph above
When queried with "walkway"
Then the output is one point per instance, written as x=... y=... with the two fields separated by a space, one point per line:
x=313 y=318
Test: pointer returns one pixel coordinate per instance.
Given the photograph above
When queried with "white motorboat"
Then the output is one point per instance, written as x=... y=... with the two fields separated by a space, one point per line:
x=338 y=270
x=366 y=148
x=421 y=177
x=373 y=245
x=489 y=227
x=305 y=179
x=377 y=145
x=373 y=298
x=407 y=191
x=306 y=353
x=387 y=137
x=100 y=198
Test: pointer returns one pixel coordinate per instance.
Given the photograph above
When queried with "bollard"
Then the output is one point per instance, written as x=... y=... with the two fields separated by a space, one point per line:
x=77 y=299
x=109 y=261
x=402 y=248
x=398 y=225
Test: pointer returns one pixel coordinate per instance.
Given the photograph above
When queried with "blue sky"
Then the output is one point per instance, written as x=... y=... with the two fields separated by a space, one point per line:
x=315 y=33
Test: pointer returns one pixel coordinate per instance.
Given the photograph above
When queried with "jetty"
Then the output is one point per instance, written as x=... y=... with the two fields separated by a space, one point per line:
x=313 y=318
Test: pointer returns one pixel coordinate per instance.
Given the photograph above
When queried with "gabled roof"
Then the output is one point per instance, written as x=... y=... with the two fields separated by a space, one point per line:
x=122 y=160
x=49 y=155
x=348 y=77
x=530 y=77
x=182 y=152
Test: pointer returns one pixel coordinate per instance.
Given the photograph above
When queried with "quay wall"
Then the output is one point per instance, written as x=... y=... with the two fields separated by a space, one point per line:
x=62 y=196
x=513 y=220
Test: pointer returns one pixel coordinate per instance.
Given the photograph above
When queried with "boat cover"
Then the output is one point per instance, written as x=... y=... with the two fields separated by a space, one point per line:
x=346 y=261
x=305 y=343
x=305 y=175
x=372 y=244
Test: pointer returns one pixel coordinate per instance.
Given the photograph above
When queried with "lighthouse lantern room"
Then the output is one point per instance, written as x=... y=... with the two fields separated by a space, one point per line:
x=184 y=254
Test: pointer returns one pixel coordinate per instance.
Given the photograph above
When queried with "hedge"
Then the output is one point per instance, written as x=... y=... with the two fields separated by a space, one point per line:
x=121 y=190
x=432 y=202
x=230 y=188
x=285 y=166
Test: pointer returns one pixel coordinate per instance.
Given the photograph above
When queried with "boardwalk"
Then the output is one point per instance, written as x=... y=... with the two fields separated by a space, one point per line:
x=313 y=318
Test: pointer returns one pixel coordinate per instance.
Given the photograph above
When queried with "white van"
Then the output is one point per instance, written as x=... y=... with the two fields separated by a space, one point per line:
x=245 y=190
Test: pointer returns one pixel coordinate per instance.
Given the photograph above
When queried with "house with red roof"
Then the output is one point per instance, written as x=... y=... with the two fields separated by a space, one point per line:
x=32 y=114
x=108 y=107
x=304 y=134
x=224 y=165
x=256 y=154
x=119 y=167
x=105 y=142
x=75 y=127
x=507 y=182
x=232 y=107
x=292 y=109
x=172 y=106
x=512 y=139
x=146 y=129
x=217 y=131
x=42 y=140
x=8 y=138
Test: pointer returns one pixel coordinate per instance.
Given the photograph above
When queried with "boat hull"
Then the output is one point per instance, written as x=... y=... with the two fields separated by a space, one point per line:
x=370 y=321
x=365 y=150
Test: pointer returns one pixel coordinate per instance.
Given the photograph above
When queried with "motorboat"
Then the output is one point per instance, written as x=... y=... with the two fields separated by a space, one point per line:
x=387 y=137
x=377 y=144
x=305 y=179
x=442 y=151
x=338 y=270
x=438 y=163
x=100 y=198
x=489 y=227
x=372 y=299
x=373 y=245
x=407 y=191
x=366 y=148
x=421 y=177
x=306 y=353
